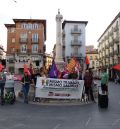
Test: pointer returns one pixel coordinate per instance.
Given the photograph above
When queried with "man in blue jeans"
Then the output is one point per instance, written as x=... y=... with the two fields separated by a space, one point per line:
x=26 y=86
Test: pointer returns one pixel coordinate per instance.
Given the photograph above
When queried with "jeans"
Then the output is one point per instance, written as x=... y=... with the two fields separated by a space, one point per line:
x=26 y=91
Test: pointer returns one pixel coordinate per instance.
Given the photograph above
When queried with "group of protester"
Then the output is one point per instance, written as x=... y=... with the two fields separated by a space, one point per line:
x=31 y=78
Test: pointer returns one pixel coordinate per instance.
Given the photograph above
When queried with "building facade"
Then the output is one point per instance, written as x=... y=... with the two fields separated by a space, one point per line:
x=2 y=52
x=109 y=46
x=48 y=60
x=25 y=43
x=92 y=55
x=74 y=40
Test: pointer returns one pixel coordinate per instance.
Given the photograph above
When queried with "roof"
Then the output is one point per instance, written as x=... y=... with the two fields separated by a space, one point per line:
x=9 y=25
x=118 y=15
x=69 y=21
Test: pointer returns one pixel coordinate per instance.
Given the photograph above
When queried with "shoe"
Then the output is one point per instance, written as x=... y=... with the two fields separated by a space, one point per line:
x=94 y=101
x=26 y=101
x=2 y=102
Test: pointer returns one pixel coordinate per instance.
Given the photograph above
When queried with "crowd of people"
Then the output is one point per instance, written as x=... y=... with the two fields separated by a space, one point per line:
x=28 y=80
x=87 y=77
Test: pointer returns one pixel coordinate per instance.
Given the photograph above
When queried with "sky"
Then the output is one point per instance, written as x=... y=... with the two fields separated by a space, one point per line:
x=98 y=13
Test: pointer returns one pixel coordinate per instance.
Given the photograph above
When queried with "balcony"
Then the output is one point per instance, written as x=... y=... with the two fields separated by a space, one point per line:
x=106 y=44
x=111 y=33
x=111 y=54
x=76 y=54
x=18 y=51
x=107 y=55
x=116 y=52
x=116 y=29
x=11 y=60
x=116 y=37
x=76 y=43
x=76 y=31
x=111 y=42
x=35 y=40
x=23 y=40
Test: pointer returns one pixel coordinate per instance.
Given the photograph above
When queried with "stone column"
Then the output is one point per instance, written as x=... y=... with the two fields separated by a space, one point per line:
x=58 y=57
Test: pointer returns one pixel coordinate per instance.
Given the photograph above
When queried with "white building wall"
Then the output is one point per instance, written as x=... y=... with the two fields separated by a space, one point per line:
x=69 y=37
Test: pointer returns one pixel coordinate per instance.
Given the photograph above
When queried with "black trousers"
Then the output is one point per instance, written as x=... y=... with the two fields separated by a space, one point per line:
x=89 y=92
x=2 y=91
x=104 y=87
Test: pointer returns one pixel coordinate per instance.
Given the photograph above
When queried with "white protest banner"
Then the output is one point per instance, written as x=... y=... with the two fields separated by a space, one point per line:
x=59 y=88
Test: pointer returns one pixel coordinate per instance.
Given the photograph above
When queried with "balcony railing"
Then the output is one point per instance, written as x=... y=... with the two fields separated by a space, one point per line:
x=111 y=53
x=107 y=55
x=116 y=52
x=19 y=51
x=76 y=54
x=76 y=43
x=76 y=31
x=116 y=37
x=34 y=40
x=11 y=61
x=116 y=29
x=23 y=40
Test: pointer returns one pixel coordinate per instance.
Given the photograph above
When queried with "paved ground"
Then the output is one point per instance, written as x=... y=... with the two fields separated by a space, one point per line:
x=85 y=116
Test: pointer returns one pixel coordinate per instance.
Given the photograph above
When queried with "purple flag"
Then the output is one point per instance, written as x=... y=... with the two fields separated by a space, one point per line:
x=53 y=73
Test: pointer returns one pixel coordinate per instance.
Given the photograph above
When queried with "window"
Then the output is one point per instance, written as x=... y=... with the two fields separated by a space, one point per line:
x=75 y=27
x=13 y=49
x=30 y=26
x=23 y=48
x=90 y=57
x=23 y=37
x=76 y=50
x=34 y=48
x=76 y=38
x=24 y=25
x=93 y=63
x=35 y=26
x=12 y=30
x=13 y=40
x=34 y=37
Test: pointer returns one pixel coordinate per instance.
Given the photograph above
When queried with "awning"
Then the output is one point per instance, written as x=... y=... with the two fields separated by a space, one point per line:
x=117 y=67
